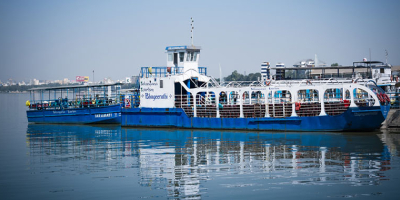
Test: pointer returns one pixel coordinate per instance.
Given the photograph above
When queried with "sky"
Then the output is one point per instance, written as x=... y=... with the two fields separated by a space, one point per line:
x=52 y=40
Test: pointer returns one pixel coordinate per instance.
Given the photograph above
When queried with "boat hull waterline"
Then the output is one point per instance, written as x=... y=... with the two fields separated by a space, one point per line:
x=354 y=119
x=100 y=115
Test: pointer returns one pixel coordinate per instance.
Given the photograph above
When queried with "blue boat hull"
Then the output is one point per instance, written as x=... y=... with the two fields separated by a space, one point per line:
x=101 y=115
x=354 y=119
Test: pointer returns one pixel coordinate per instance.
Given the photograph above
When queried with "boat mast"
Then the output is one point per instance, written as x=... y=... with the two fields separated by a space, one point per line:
x=191 y=30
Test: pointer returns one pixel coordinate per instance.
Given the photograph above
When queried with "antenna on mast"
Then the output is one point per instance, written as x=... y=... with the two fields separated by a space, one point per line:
x=191 y=30
x=220 y=74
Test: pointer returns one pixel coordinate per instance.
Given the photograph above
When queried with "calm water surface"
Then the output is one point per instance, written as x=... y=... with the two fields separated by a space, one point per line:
x=110 y=162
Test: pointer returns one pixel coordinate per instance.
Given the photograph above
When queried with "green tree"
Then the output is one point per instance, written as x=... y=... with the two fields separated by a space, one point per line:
x=235 y=76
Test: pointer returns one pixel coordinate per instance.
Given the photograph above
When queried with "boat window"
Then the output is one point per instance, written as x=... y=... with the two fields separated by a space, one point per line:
x=334 y=102
x=308 y=95
x=195 y=56
x=190 y=56
x=362 y=98
x=308 y=103
x=161 y=83
x=206 y=104
x=347 y=94
x=257 y=97
x=231 y=107
x=282 y=96
x=246 y=99
x=181 y=56
x=170 y=58
x=382 y=70
x=281 y=104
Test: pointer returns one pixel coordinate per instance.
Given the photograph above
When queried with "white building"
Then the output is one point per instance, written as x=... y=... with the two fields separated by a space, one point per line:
x=265 y=71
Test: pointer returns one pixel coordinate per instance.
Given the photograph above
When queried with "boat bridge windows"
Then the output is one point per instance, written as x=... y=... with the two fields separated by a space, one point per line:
x=192 y=56
x=148 y=72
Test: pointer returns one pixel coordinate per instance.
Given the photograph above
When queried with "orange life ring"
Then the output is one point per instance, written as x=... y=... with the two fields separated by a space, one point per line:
x=380 y=98
x=267 y=83
x=387 y=98
x=346 y=103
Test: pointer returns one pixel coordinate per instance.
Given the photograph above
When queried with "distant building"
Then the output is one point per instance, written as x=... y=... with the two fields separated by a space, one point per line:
x=65 y=81
x=21 y=83
x=35 y=82
x=107 y=81
x=310 y=63
x=265 y=71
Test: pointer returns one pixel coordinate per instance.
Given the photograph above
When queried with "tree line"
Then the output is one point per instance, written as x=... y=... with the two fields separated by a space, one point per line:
x=236 y=76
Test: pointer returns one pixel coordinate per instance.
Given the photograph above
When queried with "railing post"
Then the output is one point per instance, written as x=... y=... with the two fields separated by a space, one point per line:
x=241 y=104
x=321 y=93
x=217 y=103
x=195 y=104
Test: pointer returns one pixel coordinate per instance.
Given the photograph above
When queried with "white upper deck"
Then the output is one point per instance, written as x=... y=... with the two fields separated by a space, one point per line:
x=183 y=56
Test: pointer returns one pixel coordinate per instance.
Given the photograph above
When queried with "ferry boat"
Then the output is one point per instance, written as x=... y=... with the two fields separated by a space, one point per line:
x=182 y=95
x=78 y=104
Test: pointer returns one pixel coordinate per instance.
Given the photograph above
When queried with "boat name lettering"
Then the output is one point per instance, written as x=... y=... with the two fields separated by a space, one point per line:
x=103 y=115
x=154 y=97
x=272 y=88
x=147 y=90
x=150 y=84
x=258 y=88
x=365 y=114
x=71 y=111
x=58 y=112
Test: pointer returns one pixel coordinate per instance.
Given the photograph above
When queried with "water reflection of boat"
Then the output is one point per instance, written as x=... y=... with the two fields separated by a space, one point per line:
x=179 y=160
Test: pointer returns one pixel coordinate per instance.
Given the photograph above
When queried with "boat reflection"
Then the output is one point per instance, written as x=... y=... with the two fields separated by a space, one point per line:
x=179 y=160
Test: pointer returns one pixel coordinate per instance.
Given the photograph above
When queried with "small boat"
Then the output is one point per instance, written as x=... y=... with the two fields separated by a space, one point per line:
x=182 y=95
x=77 y=104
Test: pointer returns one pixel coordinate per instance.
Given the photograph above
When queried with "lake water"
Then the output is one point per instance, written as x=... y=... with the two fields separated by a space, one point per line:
x=110 y=162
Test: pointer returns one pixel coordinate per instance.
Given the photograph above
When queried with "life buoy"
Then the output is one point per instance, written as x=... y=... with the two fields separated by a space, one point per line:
x=267 y=83
x=346 y=103
x=387 y=98
x=380 y=98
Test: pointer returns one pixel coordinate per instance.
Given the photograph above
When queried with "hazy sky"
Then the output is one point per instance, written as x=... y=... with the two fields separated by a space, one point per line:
x=62 y=39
